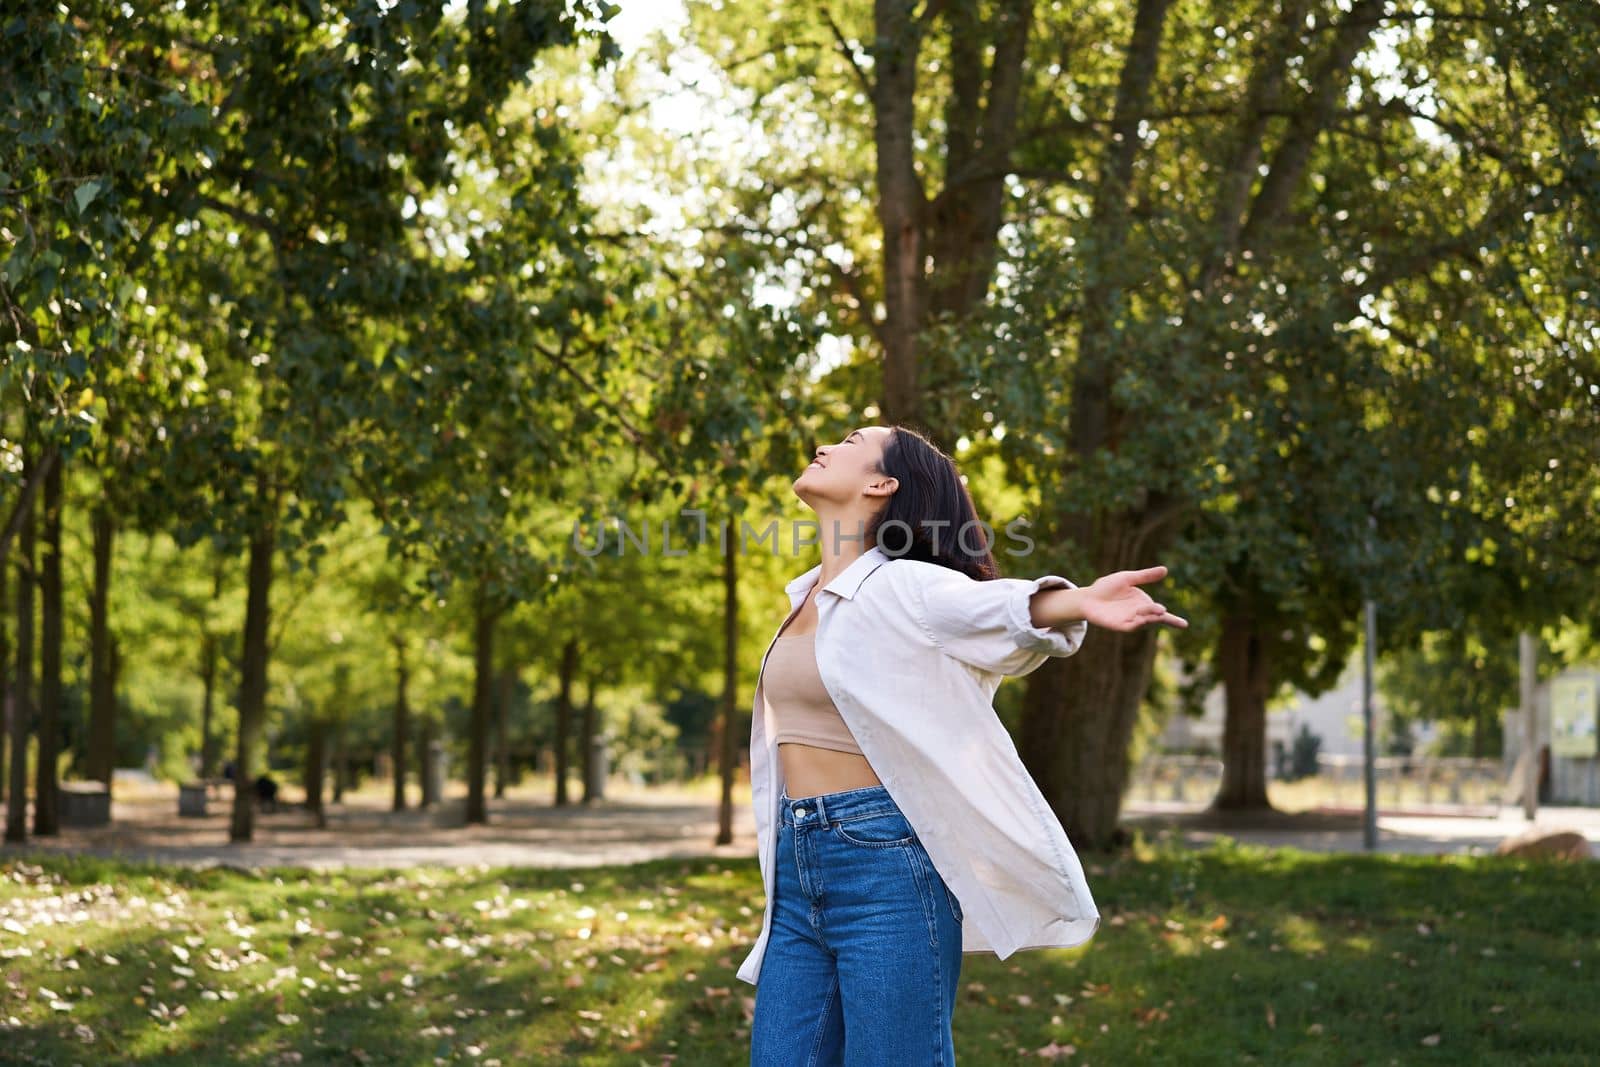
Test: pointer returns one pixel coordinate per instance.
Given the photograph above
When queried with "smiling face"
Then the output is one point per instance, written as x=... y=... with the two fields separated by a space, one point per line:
x=845 y=477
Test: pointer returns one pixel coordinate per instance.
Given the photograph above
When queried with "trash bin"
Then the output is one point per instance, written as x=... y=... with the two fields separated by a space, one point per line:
x=192 y=798
x=85 y=804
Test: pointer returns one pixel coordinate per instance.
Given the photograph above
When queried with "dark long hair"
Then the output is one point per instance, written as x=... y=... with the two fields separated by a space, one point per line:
x=933 y=505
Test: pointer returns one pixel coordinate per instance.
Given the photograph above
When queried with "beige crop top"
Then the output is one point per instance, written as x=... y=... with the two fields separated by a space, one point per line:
x=798 y=701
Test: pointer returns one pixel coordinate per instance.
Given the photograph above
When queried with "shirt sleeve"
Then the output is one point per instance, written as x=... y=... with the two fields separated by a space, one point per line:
x=987 y=623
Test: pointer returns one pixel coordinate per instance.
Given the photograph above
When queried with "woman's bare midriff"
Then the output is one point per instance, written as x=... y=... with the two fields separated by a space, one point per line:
x=810 y=771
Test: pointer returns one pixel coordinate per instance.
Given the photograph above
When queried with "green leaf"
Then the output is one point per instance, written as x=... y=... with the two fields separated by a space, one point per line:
x=85 y=194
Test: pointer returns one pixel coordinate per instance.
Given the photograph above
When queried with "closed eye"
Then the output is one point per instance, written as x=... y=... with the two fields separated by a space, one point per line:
x=851 y=436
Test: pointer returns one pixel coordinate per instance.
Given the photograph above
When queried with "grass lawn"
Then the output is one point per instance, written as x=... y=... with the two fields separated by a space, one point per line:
x=1230 y=955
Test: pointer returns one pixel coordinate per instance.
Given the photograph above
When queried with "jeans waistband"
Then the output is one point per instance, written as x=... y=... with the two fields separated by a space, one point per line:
x=833 y=807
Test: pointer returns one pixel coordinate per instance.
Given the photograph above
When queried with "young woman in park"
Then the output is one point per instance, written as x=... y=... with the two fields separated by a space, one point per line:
x=897 y=828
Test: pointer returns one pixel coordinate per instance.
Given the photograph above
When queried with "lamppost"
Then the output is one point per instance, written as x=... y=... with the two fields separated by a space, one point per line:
x=1369 y=821
x=1528 y=655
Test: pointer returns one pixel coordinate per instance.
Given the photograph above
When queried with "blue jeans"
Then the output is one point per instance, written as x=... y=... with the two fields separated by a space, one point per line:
x=864 y=953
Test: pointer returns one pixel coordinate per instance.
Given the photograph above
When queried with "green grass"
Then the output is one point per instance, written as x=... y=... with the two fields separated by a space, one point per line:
x=1231 y=955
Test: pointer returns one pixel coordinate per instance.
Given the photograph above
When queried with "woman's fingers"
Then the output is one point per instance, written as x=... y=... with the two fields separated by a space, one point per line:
x=1118 y=590
x=1148 y=574
x=1158 y=613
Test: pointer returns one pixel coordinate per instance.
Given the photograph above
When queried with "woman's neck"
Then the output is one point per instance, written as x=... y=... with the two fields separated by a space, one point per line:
x=843 y=541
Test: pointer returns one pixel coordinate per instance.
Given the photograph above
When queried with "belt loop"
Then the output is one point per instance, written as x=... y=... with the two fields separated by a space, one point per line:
x=822 y=814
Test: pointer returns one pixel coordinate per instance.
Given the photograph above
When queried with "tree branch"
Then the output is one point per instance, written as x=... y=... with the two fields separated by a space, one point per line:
x=849 y=53
x=261 y=222
x=638 y=438
x=1307 y=123
x=1233 y=190
x=23 y=508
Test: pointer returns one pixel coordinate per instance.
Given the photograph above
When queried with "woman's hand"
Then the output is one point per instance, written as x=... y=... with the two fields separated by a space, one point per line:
x=1116 y=602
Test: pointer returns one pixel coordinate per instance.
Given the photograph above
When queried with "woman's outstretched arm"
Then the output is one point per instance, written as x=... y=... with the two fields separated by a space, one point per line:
x=1113 y=602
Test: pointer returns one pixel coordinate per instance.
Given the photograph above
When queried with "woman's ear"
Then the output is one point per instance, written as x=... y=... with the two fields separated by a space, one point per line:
x=886 y=487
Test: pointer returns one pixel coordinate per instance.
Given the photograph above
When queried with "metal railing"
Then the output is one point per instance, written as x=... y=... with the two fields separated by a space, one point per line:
x=1403 y=781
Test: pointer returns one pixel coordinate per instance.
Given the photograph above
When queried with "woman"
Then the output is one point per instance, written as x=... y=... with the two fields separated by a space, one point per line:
x=897 y=827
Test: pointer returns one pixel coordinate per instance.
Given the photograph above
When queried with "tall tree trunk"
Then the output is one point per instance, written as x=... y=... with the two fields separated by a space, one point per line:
x=22 y=687
x=7 y=690
x=47 y=787
x=482 y=706
x=1093 y=422
x=980 y=135
x=208 y=706
x=727 y=756
x=430 y=733
x=507 y=691
x=1078 y=715
x=341 y=758
x=569 y=666
x=209 y=655
x=253 y=667
x=102 y=695
x=1246 y=679
x=939 y=255
x=586 y=744
x=316 y=765
x=402 y=722
x=902 y=204
x=1236 y=232
x=1079 y=712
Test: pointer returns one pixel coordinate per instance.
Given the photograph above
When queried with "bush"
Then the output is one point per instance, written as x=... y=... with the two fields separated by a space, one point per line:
x=1303 y=757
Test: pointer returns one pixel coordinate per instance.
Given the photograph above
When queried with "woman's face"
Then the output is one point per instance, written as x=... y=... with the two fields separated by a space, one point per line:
x=846 y=473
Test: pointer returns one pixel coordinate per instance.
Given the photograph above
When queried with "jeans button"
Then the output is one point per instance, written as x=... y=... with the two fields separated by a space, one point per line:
x=800 y=812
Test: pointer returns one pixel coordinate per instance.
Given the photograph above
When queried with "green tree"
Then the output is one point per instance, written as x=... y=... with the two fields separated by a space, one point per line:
x=1172 y=184
x=324 y=129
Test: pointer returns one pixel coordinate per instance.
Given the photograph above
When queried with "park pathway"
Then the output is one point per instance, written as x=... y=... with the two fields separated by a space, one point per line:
x=524 y=829
x=1464 y=830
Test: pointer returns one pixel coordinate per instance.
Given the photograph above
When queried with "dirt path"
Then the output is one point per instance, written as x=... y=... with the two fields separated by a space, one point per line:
x=638 y=824
x=523 y=830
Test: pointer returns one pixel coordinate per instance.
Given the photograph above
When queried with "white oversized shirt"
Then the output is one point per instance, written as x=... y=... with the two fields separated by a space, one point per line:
x=912 y=653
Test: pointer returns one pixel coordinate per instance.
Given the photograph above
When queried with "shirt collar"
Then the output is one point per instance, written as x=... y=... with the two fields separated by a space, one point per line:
x=847 y=581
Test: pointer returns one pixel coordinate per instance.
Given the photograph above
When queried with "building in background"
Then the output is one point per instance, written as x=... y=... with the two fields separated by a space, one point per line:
x=1334 y=717
x=1568 y=708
